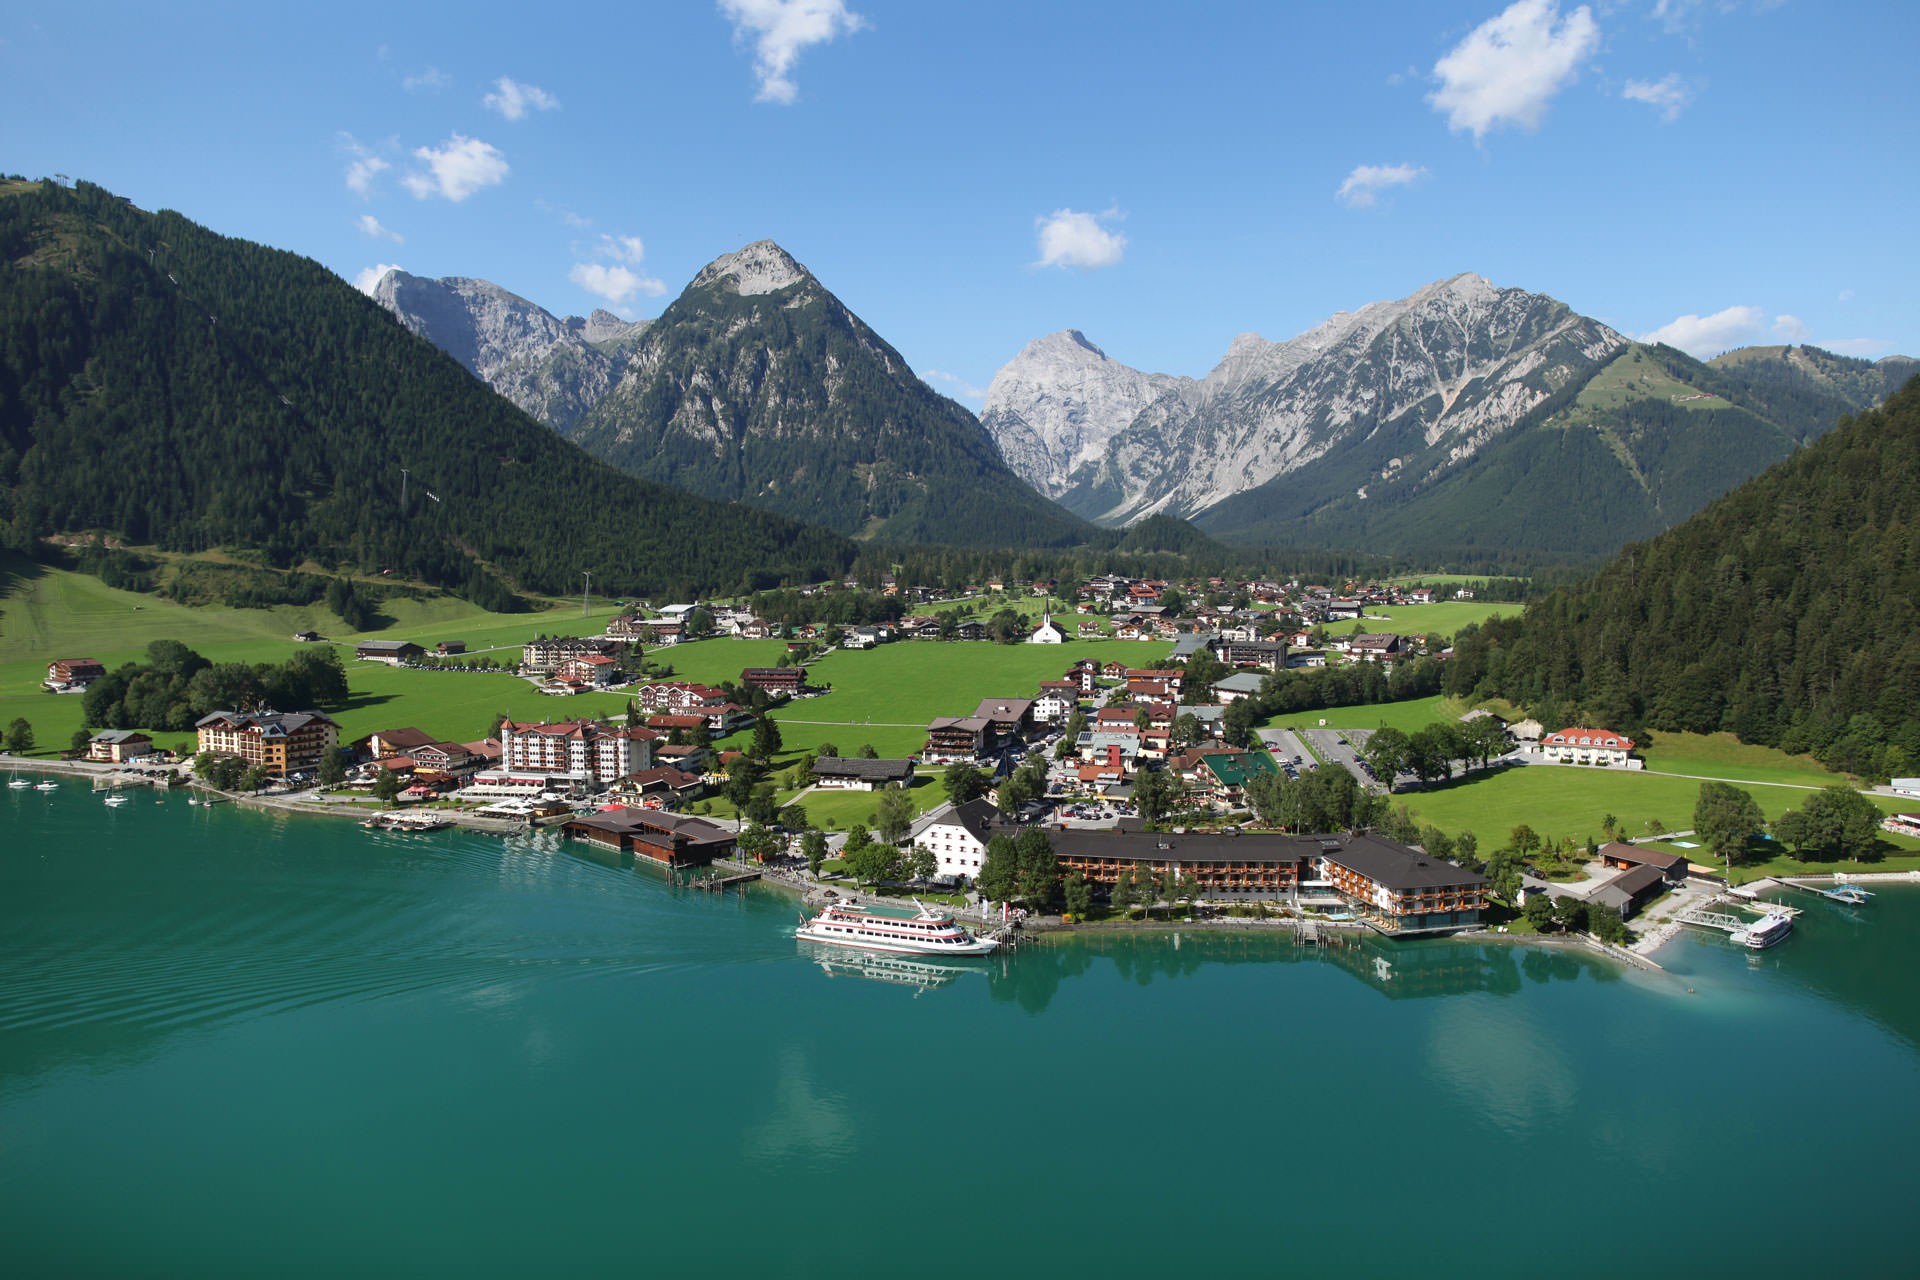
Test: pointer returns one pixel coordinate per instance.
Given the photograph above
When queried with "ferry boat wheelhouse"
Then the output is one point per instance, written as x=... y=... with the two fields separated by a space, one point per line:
x=922 y=931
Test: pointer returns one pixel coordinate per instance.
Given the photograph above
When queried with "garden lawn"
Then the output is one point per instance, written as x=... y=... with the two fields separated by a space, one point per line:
x=839 y=810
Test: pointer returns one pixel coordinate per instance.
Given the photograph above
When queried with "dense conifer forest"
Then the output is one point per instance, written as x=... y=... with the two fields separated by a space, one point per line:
x=162 y=385
x=1787 y=612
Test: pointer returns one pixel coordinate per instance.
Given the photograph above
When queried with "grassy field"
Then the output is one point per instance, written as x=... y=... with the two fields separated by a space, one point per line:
x=1408 y=716
x=1441 y=618
x=52 y=613
x=1721 y=755
x=1567 y=800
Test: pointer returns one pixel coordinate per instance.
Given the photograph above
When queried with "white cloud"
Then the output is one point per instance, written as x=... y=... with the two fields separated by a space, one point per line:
x=953 y=383
x=627 y=249
x=458 y=169
x=361 y=172
x=616 y=284
x=1510 y=66
x=1790 y=328
x=513 y=99
x=1669 y=93
x=1706 y=336
x=431 y=80
x=371 y=226
x=370 y=277
x=780 y=29
x=363 y=167
x=1364 y=185
x=1070 y=239
x=1846 y=295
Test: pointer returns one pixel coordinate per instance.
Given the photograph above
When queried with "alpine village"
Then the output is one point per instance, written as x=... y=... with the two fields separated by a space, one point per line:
x=1162 y=653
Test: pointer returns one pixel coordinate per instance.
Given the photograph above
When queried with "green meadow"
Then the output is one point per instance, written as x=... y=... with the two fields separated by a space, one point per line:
x=1441 y=618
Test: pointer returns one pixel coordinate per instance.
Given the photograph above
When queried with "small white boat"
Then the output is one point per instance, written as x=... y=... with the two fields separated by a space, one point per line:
x=116 y=799
x=18 y=783
x=48 y=785
x=1770 y=930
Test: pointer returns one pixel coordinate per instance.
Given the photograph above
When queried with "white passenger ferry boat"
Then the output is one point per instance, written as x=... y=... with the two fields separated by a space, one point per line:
x=1770 y=929
x=925 y=931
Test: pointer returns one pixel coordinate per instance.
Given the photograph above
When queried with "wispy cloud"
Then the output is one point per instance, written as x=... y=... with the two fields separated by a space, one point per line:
x=363 y=166
x=952 y=384
x=1669 y=94
x=780 y=30
x=371 y=226
x=1072 y=239
x=371 y=276
x=1510 y=67
x=1364 y=185
x=514 y=100
x=618 y=283
x=1789 y=328
x=456 y=169
x=1706 y=336
x=429 y=80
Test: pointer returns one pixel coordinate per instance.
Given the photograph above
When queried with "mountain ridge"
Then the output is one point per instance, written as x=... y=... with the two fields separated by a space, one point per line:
x=269 y=408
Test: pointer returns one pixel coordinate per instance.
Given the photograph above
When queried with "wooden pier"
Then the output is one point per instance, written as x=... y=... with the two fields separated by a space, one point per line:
x=720 y=884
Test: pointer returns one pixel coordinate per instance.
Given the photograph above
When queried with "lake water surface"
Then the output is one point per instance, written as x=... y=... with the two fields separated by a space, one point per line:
x=237 y=1044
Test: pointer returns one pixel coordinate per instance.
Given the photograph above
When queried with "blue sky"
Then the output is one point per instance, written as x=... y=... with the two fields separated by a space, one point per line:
x=968 y=177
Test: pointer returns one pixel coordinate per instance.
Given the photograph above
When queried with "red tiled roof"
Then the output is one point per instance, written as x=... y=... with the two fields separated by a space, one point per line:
x=1589 y=738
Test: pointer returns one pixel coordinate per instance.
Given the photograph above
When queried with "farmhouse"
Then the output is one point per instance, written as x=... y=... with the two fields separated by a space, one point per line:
x=117 y=746
x=391 y=652
x=1586 y=746
x=70 y=675
x=774 y=679
x=835 y=773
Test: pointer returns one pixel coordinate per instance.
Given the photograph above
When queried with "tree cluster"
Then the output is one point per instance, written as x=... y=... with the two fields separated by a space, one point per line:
x=176 y=686
x=1787 y=613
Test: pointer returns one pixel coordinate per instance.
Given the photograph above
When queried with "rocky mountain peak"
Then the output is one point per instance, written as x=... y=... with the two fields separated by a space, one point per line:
x=1056 y=404
x=761 y=267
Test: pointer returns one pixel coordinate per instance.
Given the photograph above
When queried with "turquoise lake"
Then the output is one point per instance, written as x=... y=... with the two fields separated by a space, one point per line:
x=239 y=1044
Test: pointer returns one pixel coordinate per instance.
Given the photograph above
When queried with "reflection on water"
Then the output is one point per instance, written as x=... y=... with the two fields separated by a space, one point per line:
x=1399 y=970
x=923 y=973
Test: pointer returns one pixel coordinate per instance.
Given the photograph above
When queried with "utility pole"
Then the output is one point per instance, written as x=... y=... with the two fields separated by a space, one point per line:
x=403 y=491
x=586 y=594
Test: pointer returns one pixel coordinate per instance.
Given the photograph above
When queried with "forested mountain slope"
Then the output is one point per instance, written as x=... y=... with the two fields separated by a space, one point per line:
x=757 y=384
x=163 y=384
x=1787 y=612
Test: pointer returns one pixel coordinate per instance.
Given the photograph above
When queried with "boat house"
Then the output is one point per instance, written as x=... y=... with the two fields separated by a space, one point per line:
x=662 y=837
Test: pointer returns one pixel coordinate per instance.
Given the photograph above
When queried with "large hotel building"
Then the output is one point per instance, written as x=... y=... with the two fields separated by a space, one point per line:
x=1392 y=887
